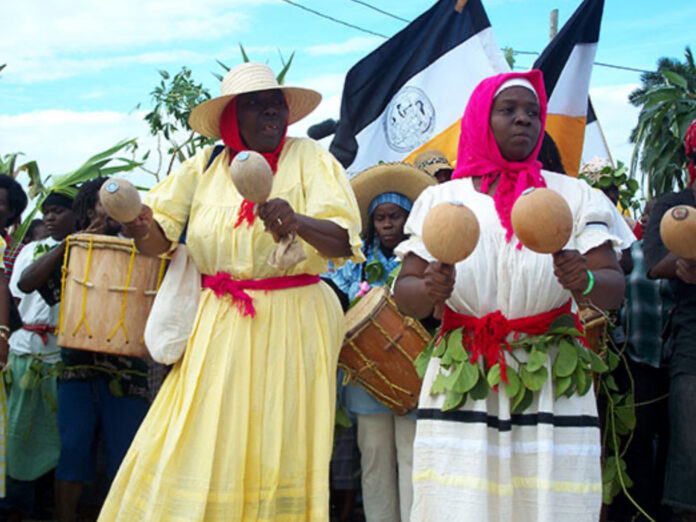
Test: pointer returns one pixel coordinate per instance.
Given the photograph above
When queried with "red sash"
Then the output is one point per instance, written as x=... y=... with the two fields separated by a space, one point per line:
x=489 y=333
x=223 y=284
x=42 y=330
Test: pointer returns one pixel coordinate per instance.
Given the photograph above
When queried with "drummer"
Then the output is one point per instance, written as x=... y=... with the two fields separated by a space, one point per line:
x=385 y=194
x=97 y=393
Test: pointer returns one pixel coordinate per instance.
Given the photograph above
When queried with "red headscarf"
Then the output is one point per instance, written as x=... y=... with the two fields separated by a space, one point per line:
x=478 y=153
x=229 y=132
x=690 y=145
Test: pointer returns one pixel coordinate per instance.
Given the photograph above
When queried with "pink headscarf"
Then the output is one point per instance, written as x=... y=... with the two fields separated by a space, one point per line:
x=478 y=153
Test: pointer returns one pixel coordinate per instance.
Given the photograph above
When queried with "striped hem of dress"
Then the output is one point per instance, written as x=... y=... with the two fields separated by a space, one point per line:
x=523 y=419
x=506 y=489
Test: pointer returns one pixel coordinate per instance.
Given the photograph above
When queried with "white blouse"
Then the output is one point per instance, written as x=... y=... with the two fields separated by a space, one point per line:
x=498 y=275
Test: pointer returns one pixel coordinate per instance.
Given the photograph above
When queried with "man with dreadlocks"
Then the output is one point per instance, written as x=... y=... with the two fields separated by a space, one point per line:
x=88 y=409
x=679 y=492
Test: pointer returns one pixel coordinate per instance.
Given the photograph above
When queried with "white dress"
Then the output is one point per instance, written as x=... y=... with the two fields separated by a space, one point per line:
x=479 y=462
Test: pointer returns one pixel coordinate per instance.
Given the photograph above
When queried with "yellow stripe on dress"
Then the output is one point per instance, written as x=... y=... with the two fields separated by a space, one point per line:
x=506 y=490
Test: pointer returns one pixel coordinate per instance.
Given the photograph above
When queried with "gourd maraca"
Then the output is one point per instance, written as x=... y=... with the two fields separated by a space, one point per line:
x=541 y=220
x=450 y=232
x=252 y=175
x=678 y=231
x=120 y=199
x=253 y=178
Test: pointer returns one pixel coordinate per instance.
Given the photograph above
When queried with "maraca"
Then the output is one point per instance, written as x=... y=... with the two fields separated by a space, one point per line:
x=541 y=220
x=450 y=232
x=678 y=231
x=253 y=178
x=120 y=199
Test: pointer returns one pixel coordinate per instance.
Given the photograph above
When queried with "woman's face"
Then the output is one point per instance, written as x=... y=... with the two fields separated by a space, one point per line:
x=262 y=118
x=389 y=220
x=515 y=123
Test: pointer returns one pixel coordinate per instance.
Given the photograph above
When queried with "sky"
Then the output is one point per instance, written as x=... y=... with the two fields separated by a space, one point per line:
x=80 y=72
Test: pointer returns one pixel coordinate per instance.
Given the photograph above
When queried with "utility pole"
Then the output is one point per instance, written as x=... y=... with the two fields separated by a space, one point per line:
x=553 y=24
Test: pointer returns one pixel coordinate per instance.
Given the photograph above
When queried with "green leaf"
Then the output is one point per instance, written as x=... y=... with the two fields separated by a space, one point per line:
x=342 y=418
x=536 y=360
x=611 y=383
x=468 y=377
x=455 y=349
x=534 y=380
x=453 y=400
x=613 y=359
x=514 y=383
x=522 y=401
x=480 y=391
x=562 y=385
x=675 y=79
x=597 y=364
x=438 y=386
x=441 y=346
x=562 y=321
x=52 y=401
x=423 y=359
x=583 y=382
x=566 y=359
x=494 y=376
x=115 y=387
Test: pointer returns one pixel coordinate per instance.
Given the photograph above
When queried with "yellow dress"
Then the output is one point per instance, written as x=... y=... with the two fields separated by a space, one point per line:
x=242 y=428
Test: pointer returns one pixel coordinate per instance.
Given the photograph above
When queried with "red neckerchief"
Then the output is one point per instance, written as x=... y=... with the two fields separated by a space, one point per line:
x=229 y=132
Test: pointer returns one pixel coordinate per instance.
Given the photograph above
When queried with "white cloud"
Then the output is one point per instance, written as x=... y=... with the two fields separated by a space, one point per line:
x=352 y=45
x=616 y=116
x=88 y=27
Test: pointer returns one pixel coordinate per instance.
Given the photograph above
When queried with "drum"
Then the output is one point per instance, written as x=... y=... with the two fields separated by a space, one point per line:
x=107 y=291
x=380 y=348
x=594 y=323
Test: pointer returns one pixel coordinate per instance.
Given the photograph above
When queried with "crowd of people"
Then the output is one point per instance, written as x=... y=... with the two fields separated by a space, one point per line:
x=242 y=426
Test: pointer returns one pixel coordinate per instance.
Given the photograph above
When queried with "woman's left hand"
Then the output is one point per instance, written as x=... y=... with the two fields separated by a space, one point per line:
x=570 y=268
x=278 y=217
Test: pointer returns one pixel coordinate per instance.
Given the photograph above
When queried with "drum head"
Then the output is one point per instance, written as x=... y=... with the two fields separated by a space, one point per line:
x=361 y=312
x=100 y=240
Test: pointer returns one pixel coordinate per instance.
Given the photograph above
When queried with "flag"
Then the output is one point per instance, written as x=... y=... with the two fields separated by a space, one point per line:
x=595 y=145
x=567 y=65
x=410 y=93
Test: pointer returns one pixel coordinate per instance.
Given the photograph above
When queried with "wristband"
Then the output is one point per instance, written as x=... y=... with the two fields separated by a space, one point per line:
x=4 y=335
x=4 y=327
x=590 y=284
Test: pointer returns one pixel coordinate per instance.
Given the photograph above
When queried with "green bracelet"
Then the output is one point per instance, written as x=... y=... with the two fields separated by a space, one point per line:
x=590 y=284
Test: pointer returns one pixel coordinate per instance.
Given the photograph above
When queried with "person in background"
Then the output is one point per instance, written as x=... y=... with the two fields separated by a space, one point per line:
x=434 y=163
x=679 y=492
x=13 y=201
x=643 y=316
x=37 y=231
x=385 y=439
x=88 y=410
x=33 y=440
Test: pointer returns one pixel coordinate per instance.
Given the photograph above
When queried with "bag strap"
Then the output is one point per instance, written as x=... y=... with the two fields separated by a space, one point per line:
x=216 y=152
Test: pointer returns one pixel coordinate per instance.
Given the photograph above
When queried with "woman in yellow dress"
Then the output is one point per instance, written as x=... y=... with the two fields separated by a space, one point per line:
x=242 y=427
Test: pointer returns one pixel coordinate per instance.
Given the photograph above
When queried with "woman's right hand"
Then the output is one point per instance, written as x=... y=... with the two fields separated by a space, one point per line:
x=439 y=281
x=141 y=226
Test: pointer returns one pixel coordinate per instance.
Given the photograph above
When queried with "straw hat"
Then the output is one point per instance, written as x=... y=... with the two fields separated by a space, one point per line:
x=431 y=161
x=242 y=79
x=388 y=177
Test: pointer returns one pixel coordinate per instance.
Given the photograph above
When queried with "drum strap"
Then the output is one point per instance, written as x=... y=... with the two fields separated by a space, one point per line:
x=216 y=152
x=223 y=284
x=488 y=334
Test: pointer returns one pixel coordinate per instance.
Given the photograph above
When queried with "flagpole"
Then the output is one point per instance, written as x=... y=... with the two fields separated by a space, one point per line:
x=604 y=139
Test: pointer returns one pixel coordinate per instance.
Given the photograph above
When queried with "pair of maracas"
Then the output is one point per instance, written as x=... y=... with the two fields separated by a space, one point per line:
x=541 y=220
x=253 y=178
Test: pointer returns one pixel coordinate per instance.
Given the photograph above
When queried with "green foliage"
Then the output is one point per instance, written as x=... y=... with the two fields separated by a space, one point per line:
x=619 y=177
x=280 y=77
x=509 y=53
x=173 y=99
x=667 y=100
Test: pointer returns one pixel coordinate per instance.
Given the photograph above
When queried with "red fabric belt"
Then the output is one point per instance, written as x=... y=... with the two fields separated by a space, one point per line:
x=223 y=284
x=489 y=333
x=42 y=330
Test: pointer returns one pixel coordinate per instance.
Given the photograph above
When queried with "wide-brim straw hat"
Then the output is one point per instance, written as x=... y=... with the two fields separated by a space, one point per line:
x=388 y=177
x=245 y=78
x=431 y=161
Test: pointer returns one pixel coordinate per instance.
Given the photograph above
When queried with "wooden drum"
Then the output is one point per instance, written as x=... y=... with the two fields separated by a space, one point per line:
x=380 y=348
x=107 y=291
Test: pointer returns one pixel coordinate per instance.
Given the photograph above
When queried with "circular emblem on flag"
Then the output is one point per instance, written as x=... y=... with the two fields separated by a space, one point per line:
x=409 y=120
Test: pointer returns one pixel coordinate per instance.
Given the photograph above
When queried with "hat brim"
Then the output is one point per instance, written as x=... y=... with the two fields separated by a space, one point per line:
x=205 y=117
x=388 y=177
